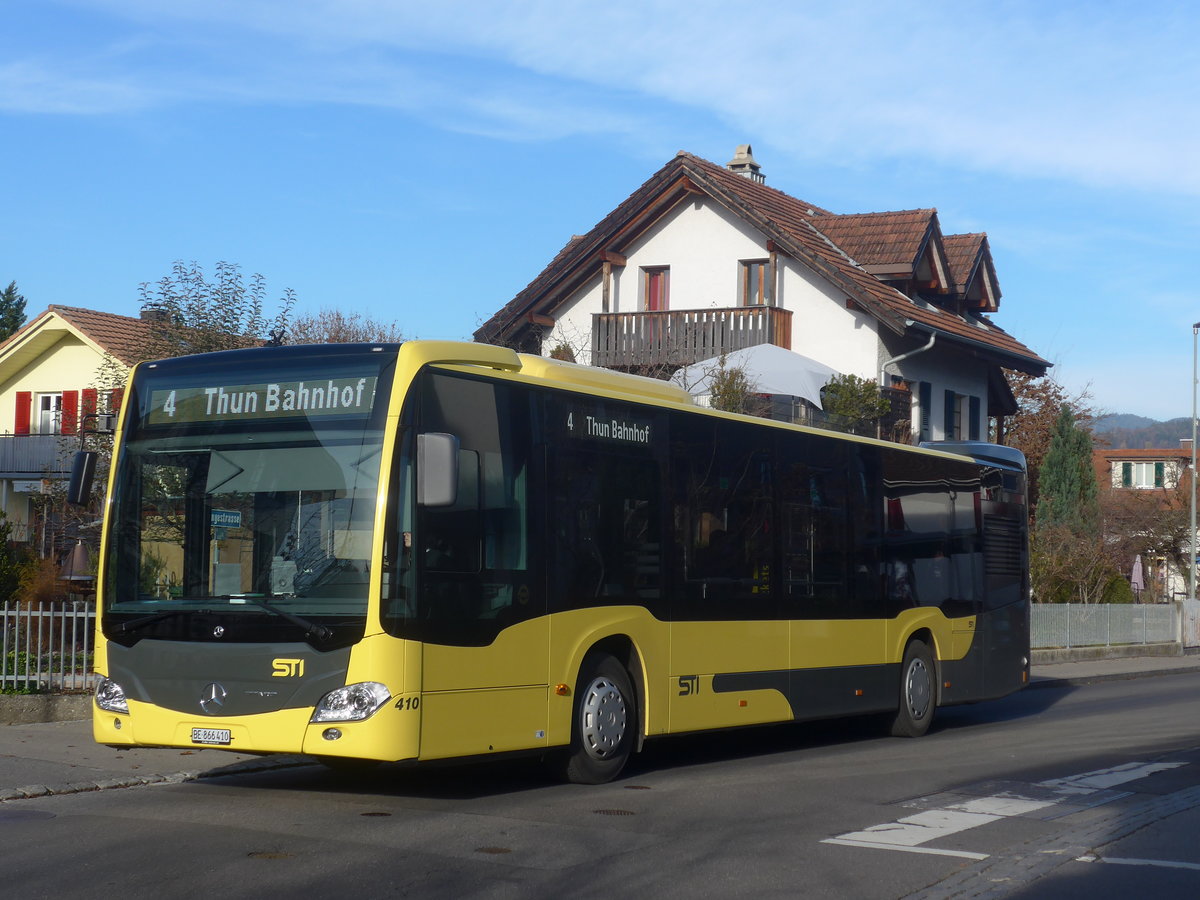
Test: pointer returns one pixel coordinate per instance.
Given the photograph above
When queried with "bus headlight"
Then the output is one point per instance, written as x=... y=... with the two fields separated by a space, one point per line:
x=351 y=703
x=111 y=696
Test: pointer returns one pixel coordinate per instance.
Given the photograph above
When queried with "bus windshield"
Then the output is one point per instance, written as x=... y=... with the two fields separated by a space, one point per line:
x=251 y=526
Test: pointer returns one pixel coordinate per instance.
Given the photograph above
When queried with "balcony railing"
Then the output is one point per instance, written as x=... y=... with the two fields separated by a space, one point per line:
x=34 y=455
x=685 y=336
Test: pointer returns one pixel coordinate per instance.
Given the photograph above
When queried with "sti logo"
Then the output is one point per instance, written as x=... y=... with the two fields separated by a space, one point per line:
x=287 y=668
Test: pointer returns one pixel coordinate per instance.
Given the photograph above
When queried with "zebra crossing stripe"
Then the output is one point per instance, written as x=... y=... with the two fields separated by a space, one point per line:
x=911 y=833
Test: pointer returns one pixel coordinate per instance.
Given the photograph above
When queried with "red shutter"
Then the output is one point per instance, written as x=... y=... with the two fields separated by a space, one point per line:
x=88 y=405
x=70 y=412
x=24 y=407
x=114 y=400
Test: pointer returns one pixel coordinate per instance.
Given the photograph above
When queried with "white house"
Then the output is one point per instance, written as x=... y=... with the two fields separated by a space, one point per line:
x=703 y=259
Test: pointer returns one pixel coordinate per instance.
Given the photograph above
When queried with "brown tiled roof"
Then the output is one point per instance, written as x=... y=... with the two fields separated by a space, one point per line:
x=1144 y=453
x=791 y=223
x=881 y=238
x=962 y=251
x=124 y=337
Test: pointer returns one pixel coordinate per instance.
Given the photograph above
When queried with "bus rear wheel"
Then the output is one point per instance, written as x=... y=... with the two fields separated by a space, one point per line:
x=918 y=692
x=604 y=722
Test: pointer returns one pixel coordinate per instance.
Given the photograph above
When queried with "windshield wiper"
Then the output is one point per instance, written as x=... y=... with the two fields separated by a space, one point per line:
x=135 y=624
x=320 y=632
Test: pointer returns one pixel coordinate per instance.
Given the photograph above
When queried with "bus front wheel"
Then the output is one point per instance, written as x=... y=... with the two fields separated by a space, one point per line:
x=918 y=692
x=603 y=723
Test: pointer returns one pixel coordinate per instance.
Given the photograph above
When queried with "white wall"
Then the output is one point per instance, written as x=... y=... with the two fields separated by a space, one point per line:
x=703 y=244
x=946 y=370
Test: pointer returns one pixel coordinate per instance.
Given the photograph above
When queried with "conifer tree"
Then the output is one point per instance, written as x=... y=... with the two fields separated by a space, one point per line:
x=12 y=311
x=1069 y=497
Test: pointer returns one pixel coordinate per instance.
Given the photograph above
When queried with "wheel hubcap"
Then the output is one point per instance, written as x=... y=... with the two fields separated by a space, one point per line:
x=918 y=689
x=603 y=718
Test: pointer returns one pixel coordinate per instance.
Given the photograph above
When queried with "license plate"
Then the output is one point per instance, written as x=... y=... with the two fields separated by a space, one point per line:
x=211 y=736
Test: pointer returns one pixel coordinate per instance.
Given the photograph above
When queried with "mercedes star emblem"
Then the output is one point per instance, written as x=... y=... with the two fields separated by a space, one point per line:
x=212 y=699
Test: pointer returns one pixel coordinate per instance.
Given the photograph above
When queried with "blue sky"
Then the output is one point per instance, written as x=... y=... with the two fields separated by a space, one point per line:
x=422 y=165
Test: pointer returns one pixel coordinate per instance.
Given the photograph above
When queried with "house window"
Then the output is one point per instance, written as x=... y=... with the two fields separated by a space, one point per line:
x=655 y=288
x=49 y=413
x=1143 y=474
x=755 y=282
x=924 y=411
x=953 y=423
x=961 y=417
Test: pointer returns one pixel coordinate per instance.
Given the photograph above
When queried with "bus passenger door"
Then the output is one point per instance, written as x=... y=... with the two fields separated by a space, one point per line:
x=480 y=609
x=729 y=642
x=830 y=535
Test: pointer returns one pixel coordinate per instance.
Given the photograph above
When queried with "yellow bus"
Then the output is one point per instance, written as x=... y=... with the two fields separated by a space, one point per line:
x=439 y=550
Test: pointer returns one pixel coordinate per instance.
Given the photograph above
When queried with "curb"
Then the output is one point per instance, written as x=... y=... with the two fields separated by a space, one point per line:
x=35 y=709
x=33 y=791
x=1049 y=681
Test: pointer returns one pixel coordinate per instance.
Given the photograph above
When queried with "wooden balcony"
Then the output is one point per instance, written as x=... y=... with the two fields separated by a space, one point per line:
x=681 y=337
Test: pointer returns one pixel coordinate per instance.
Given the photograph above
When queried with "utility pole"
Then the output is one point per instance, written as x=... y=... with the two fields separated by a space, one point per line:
x=1192 y=474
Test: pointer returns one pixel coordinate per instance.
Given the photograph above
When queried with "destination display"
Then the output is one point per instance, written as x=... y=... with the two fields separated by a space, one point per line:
x=596 y=425
x=271 y=400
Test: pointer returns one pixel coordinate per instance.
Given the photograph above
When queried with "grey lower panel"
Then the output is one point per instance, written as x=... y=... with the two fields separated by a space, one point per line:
x=250 y=678
x=822 y=693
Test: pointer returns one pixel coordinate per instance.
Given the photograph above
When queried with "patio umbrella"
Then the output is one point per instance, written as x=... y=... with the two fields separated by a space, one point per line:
x=771 y=369
x=1137 y=579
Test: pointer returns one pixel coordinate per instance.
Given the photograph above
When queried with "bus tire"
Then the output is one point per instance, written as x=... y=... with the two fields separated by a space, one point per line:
x=918 y=692
x=604 y=722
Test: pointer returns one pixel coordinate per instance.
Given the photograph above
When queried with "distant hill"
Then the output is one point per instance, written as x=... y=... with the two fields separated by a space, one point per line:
x=1122 y=420
x=1125 y=431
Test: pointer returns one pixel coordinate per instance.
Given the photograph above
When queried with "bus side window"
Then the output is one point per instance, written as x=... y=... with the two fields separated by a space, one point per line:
x=607 y=544
x=818 y=550
x=723 y=497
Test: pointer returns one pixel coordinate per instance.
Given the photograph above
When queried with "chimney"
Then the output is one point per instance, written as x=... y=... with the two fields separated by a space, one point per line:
x=155 y=315
x=1185 y=444
x=743 y=164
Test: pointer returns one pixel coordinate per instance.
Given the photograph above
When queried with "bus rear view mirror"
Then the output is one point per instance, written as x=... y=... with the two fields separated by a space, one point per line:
x=437 y=469
x=83 y=470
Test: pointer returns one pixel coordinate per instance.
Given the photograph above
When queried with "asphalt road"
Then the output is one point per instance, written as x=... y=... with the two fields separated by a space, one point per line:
x=1087 y=790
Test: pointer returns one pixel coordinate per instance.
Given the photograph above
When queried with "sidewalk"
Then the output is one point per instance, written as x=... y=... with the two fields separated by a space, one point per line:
x=1085 y=671
x=61 y=757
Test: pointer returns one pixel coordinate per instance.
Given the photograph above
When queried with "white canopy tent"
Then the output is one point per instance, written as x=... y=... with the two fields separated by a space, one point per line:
x=770 y=369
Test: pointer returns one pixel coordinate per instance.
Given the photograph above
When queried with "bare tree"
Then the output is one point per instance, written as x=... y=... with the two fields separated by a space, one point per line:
x=332 y=326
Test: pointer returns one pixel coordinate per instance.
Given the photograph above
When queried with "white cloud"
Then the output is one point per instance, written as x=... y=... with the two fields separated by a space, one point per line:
x=1101 y=95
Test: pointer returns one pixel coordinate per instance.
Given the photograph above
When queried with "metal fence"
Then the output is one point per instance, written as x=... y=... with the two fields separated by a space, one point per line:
x=1102 y=624
x=47 y=647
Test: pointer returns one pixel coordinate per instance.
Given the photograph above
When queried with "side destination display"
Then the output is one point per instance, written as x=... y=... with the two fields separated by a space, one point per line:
x=271 y=400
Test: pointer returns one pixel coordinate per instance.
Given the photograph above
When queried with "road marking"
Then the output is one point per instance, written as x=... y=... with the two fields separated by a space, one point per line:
x=1002 y=805
x=1157 y=863
x=1102 y=779
x=913 y=830
x=910 y=833
x=932 y=851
